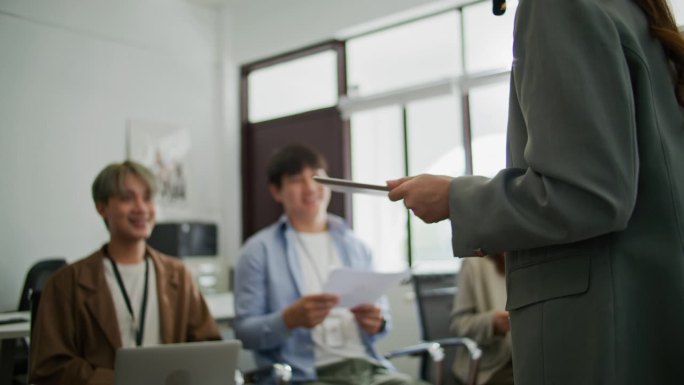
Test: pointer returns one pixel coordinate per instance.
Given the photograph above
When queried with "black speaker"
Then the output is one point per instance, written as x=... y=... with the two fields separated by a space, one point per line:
x=185 y=239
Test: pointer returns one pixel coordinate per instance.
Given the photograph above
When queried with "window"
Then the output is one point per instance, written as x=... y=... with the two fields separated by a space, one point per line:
x=407 y=120
x=678 y=10
x=377 y=143
x=429 y=95
x=488 y=39
x=283 y=100
x=488 y=120
x=298 y=85
x=435 y=146
x=405 y=55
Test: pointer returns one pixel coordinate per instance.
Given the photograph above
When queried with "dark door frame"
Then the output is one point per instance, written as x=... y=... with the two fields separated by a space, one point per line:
x=249 y=222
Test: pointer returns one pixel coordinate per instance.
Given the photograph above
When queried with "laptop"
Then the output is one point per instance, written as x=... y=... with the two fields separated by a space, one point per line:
x=192 y=363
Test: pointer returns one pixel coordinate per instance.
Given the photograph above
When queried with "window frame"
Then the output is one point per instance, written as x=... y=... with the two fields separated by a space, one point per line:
x=339 y=163
x=460 y=86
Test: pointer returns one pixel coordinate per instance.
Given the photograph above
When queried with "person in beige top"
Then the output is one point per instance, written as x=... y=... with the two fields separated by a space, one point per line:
x=123 y=295
x=478 y=314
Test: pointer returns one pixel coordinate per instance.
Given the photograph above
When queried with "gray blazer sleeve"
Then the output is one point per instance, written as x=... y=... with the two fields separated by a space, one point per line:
x=572 y=156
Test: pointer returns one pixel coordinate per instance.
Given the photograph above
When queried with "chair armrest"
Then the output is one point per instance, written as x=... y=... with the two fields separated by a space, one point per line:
x=282 y=373
x=473 y=350
x=415 y=350
x=436 y=351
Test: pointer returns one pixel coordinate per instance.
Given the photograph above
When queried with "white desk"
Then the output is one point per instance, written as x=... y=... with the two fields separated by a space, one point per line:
x=221 y=306
x=8 y=334
x=15 y=330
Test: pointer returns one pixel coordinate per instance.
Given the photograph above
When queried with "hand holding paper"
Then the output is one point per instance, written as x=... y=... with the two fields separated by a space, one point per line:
x=369 y=317
x=309 y=311
x=356 y=287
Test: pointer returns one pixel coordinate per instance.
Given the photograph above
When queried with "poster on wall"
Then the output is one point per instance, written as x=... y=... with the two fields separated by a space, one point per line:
x=164 y=149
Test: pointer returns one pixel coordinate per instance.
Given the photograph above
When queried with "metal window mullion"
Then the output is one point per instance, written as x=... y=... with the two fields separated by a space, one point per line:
x=467 y=134
x=407 y=170
x=465 y=101
x=351 y=105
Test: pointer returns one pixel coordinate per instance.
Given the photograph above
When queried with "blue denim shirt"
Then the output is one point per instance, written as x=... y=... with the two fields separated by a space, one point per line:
x=268 y=278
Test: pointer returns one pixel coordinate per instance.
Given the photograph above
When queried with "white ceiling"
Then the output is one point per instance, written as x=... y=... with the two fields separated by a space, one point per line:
x=214 y=2
x=228 y=3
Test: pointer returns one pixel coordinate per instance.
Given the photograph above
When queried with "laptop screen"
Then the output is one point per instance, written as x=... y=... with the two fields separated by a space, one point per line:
x=193 y=363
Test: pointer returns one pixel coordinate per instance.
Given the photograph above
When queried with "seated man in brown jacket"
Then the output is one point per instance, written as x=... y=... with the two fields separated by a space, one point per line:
x=123 y=295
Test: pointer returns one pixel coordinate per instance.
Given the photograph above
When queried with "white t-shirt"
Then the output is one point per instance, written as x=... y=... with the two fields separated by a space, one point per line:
x=133 y=277
x=337 y=338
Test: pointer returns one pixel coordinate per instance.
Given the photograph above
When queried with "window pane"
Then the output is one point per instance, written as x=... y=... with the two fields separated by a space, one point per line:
x=489 y=117
x=435 y=146
x=677 y=7
x=435 y=136
x=488 y=38
x=409 y=54
x=295 y=86
x=377 y=155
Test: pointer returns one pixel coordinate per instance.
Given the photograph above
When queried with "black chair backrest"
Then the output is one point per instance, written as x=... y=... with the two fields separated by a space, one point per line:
x=36 y=278
x=435 y=294
x=35 y=301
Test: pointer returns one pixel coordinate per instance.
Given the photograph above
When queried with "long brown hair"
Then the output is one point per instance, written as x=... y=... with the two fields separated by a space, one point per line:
x=663 y=26
x=499 y=261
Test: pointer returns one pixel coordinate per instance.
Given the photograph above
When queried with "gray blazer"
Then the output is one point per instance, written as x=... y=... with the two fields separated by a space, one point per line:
x=592 y=202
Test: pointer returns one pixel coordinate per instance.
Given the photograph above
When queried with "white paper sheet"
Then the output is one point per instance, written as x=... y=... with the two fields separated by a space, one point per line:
x=356 y=287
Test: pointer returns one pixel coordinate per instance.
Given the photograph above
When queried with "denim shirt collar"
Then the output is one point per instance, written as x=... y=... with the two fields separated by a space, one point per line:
x=337 y=229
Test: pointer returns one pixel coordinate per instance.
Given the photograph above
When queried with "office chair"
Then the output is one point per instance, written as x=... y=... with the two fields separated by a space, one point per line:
x=435 y=295
x=36 y=277
x=35 y=301
x=35 y=280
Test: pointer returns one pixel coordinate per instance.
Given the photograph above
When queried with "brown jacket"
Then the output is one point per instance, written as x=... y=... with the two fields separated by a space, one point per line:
x=76 y=335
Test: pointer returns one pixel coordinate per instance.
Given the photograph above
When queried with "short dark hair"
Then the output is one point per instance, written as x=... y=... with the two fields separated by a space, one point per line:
x=109 y=182
x=291 y=160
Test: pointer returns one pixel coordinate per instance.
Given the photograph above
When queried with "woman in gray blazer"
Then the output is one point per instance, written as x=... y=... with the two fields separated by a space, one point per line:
x=591 y=204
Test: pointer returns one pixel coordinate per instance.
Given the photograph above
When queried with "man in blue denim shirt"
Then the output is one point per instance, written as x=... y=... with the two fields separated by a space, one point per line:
x=281 y=312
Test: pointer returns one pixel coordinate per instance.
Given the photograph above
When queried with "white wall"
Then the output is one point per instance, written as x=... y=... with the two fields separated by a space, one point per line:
x=71 y=74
